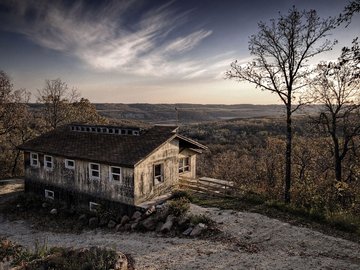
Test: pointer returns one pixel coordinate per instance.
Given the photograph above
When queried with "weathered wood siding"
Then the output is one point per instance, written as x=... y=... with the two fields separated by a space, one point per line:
x=188 y=153
x=144 y=186
x=79 y=180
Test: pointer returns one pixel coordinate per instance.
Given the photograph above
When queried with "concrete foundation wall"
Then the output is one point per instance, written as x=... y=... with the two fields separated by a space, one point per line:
x=78 y=199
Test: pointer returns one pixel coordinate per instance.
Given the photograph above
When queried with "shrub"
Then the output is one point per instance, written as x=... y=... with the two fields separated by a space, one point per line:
x=179 y=206
x=177 y=194
x=344 y=221
x=253 y=198
x=8 y=250
x=196 y=219
x=57 y=257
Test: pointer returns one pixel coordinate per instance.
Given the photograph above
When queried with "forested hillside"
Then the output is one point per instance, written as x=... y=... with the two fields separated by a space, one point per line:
x=190 y=113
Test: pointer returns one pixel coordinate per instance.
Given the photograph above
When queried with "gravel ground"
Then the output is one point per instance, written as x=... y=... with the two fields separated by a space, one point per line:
x=251 y=241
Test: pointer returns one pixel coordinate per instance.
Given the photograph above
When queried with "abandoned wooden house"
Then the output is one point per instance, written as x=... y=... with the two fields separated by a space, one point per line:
x=89 y=166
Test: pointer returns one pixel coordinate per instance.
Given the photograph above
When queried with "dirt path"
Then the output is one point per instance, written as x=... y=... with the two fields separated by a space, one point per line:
x=255 y=242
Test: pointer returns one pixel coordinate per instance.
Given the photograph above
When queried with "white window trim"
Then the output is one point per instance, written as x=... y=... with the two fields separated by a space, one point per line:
x=49 y=194
x=92 y=205
x=52 y=163
x=67 y=165
x=111 y=174
x=90 y=172
x=32 y=160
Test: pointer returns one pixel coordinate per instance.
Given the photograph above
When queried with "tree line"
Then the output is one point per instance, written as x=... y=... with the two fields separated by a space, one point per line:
x=281 y=53
x=60 y=105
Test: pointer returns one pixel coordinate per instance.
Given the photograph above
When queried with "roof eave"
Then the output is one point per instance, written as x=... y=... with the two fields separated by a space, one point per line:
x=193 y=142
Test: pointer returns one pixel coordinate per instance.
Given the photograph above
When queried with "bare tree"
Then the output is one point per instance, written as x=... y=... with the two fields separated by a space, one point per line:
x=14 y=115
x=57 y=97
x=349 y=11
x=281 y=51
x=63 y=105
x=12 y=104
x=337 y=87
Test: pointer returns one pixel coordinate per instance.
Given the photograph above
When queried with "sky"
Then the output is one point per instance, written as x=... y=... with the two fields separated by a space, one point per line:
x=145 y=51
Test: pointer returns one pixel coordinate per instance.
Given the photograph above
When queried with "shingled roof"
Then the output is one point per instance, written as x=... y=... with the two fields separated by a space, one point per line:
x=124 y=150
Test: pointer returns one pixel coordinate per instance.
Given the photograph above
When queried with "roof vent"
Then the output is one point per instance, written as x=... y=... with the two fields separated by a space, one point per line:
x=106 y=130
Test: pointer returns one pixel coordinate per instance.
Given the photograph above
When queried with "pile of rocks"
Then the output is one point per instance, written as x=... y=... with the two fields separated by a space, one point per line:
x=157 y=219
x=154 y=219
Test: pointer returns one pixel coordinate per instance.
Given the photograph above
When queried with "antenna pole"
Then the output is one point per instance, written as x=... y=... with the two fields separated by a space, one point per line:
x=177 y=116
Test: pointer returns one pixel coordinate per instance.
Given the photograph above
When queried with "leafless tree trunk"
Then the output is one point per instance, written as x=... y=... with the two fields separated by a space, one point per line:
x=337 y=87
x=56 y=97
x=280 y=52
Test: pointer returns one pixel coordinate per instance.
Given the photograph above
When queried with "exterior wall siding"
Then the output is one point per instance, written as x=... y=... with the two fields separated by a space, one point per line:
x=145 y=187
x=78 y=180
x=188 y=153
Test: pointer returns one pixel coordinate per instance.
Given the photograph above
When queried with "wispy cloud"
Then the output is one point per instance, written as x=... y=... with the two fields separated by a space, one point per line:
x=105 y=39
x=187 y=43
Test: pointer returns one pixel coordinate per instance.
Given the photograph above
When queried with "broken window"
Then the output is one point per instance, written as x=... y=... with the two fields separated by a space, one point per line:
x=94 y=207
x=94 y=171
x=115 y=174
x=48 y=162
x=158 y=173
x=49 y=194
x=34 y=159
x=184 y=164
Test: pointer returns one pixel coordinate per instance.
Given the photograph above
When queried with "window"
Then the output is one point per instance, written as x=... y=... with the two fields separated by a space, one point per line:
x=94 y=207
x=158 y=173
x=70 y=164
x=123 y=131
x=48 y=162
x=115 y=174
x=34 y=159
x=93 y=129
x=94 y=171
x=49 y=194
x=111 y=131
x=135 y=132
x=184 y=164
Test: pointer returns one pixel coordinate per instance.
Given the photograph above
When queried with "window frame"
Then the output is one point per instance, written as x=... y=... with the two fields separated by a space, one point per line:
x=111 y=174
x=161 y=175
x=92 y=204
x=47 y=196
x=67 y=165
x=185 y=168
x=32 y=160
x=45 y=163
x=91 y=170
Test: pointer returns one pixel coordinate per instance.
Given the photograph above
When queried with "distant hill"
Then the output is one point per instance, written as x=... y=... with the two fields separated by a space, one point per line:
x=188 y=113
